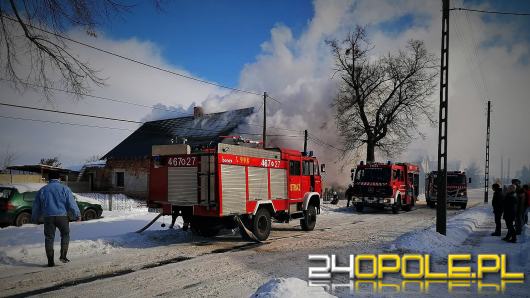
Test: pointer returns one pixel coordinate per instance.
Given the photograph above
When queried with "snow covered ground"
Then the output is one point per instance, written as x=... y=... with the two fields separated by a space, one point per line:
x=459 y=228
x=109 y=259
x=289 y=288
x=25 y=245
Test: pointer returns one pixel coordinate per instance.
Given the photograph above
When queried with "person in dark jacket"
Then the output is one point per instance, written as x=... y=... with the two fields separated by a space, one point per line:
x=520 y=208
x=497 y=203
x=53 y=202
x=527 y=196
x=349 y=195
x=510 y=201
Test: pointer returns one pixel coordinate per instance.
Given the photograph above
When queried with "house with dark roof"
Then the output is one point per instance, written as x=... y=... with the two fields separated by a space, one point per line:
x=127 y=165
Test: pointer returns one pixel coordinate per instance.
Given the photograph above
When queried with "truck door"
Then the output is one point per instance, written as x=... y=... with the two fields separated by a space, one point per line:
x=308 y=182
x=316 y=177
x=295 y=180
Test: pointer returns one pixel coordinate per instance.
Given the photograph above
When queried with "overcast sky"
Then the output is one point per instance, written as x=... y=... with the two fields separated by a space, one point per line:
x=279 y=47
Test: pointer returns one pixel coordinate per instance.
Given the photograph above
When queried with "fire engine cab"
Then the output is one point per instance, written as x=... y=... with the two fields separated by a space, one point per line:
x=385 y=185
x=456 y=188
x=235 y=183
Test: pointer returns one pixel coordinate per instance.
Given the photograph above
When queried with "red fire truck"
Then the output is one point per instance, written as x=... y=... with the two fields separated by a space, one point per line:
x=385 y=185
x=235 y=184
x=456 y=188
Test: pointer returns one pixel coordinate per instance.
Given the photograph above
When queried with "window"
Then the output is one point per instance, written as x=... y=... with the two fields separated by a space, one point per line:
x=29 y=196
x=307 y=168
x=294 y=168
x=120 y=179
x=5 y=193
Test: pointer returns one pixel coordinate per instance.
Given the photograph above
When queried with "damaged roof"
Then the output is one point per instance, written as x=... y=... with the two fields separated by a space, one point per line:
x=198 y=130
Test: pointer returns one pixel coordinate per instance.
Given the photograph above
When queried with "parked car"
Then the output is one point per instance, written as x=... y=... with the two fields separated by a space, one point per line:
x=16 y=201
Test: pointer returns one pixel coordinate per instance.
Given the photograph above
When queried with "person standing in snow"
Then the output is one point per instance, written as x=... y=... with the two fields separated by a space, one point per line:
x=510 y=201
x=520 y=208
x=53 y=202
x=349 y=195
x=497 y=203
x=527 y=193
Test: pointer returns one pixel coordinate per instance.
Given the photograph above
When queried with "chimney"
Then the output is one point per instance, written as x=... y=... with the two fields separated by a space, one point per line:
x=198 y=112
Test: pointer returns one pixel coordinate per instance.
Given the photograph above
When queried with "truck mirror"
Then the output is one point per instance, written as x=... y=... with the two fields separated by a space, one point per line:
x=469 y=181
x=323 y=168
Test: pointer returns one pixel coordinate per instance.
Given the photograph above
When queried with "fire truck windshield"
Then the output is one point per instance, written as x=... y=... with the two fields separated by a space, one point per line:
x=372 y=175
x=454 y=179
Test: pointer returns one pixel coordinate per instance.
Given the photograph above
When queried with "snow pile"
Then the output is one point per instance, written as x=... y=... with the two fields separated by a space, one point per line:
x=289 y=287
x=25 y=245
x=118 y=201
x=459 y=228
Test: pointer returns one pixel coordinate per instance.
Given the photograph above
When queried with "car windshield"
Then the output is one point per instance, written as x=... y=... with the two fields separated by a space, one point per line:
x=372 y=175
x=5 y=193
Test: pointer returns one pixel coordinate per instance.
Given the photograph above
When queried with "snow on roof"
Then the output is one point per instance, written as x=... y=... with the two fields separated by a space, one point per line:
x=96 y=164
x=24 y=187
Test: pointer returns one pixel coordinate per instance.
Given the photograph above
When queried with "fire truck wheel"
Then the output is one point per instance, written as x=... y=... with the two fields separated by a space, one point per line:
x=309 y=220
x=359 y=207
x=408 y=207
x=463 y=206
x=261 y=224
x=397 y=206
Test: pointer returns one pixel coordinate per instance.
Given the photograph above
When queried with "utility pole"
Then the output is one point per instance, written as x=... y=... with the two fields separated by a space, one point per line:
x=305 y=141
x=441 y=202
x=502 y=169
x=487 y=169
x=264 y=120
x=508 y=177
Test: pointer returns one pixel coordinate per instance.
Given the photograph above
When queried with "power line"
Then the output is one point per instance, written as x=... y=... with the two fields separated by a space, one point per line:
x=64 y=123
x=89 y=95
x=131 y=59
x=491 y=11
x=69 y=113
x=117 y=119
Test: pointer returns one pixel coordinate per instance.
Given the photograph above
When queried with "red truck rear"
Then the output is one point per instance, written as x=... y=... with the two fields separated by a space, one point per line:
x=235 y=184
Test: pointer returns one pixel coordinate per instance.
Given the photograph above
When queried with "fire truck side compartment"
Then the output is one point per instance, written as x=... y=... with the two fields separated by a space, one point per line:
x=182 y=186
x=234 y=190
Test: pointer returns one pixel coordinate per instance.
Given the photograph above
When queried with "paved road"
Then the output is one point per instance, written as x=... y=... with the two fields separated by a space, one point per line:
x=223 y=266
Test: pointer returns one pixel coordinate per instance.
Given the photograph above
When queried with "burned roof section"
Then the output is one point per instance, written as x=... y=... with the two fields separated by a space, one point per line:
x=198 y=130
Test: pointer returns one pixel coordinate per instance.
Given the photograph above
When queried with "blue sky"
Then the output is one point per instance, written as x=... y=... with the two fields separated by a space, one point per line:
x=212 y=39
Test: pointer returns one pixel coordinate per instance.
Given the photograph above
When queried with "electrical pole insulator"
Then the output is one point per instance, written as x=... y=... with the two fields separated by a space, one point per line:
x=441 y=202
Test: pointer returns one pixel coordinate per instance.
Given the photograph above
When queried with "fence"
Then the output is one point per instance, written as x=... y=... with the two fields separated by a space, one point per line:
x=114 y=202
x=20 y=178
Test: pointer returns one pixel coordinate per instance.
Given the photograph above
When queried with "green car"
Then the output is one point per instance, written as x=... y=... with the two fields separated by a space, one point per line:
x=16 y=202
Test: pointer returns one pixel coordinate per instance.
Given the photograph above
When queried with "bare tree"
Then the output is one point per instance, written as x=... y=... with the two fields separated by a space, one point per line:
x=8 y=158
x=381 y=101
x=93 y=158
x=52 y=161
x=30 y=31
